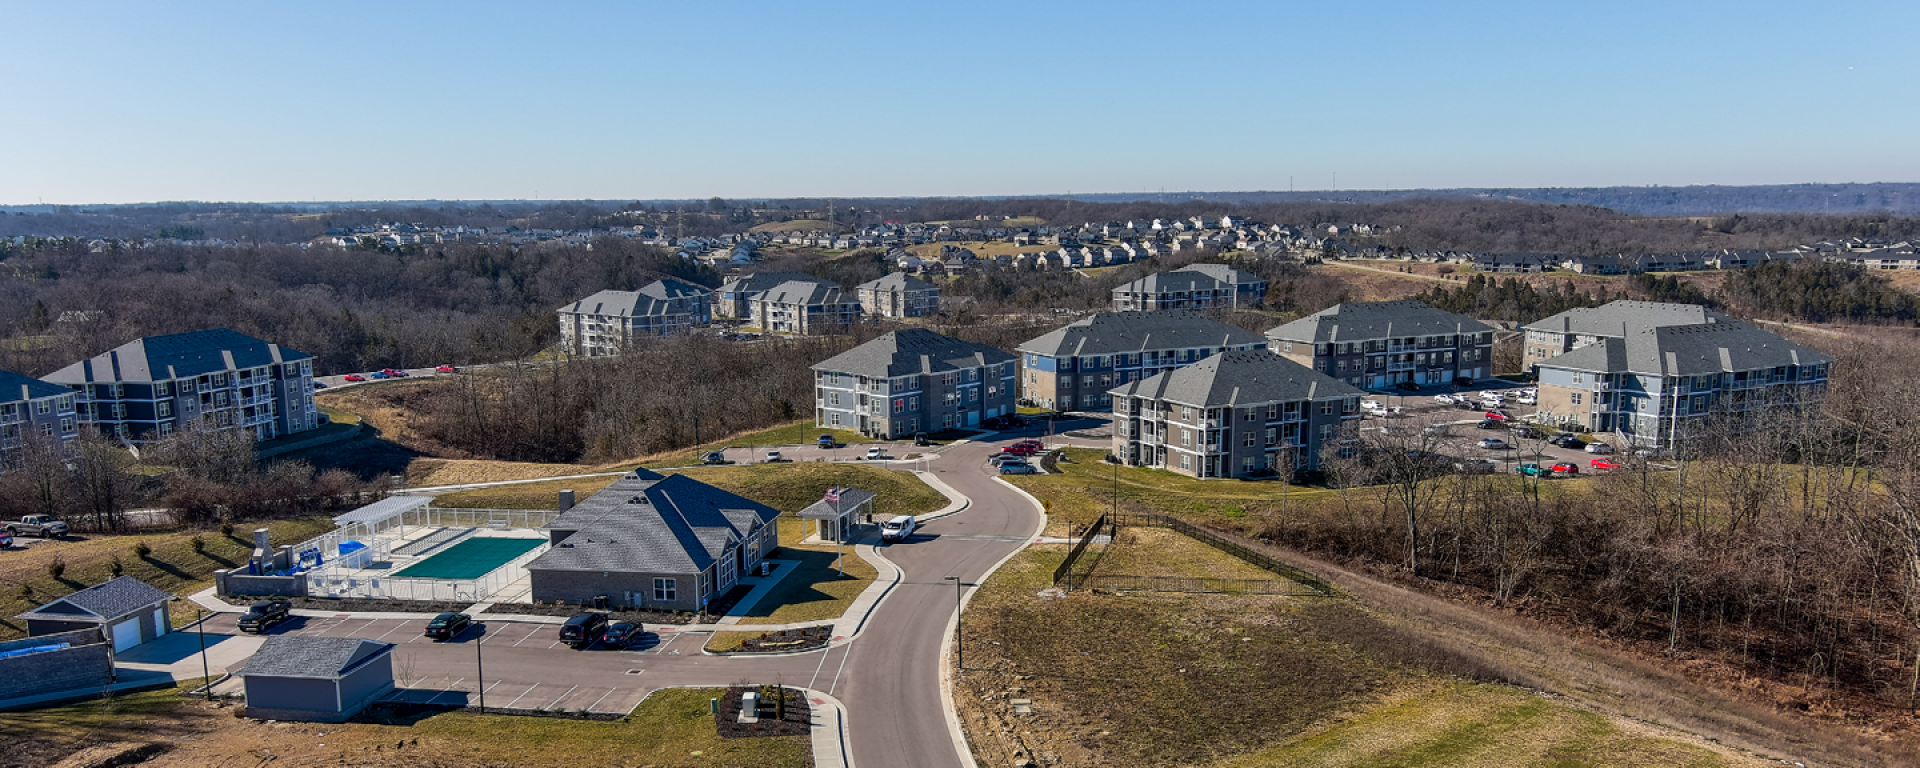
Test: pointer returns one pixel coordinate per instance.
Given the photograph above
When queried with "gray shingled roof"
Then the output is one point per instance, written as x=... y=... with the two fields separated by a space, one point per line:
x=899 y=282
x=1619 y=318
x=850 y=499
x=1375 y=320
x=109 y=601
x=651 y=524
x=328 y=658
x=1225 y=273
x=806 y=293
x=1110 y=333
x=624 y=304
x=18 y=388
x=1688 y=350
x=159 y=358
x=911 y=351
x=1173 y=282
x=1238 y=378
x=764 y=281
x=668 y=289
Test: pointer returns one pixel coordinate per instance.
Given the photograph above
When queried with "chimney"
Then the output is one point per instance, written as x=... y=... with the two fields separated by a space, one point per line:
x=566 y=499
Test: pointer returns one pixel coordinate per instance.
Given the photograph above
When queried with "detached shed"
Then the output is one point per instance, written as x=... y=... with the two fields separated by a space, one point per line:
x=316 y=679
x=126 y=609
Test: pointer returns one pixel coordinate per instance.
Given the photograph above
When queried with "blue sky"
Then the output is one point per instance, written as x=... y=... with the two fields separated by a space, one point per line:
x=128 y=102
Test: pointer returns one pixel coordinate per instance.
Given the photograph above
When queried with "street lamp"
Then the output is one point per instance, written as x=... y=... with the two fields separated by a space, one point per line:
x=959 y=643
x=480 y=668
x=206 y=670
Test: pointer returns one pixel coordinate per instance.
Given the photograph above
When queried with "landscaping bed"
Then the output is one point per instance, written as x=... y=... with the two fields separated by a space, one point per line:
x=561 y=609
x=798 y=720
x=784 y=641
x=360 y=604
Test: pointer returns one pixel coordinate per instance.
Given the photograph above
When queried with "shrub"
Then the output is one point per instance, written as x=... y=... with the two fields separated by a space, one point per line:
x=57 y=568
x=141 y=550
x=226 y=527
x=199 y=543
x=117 y=567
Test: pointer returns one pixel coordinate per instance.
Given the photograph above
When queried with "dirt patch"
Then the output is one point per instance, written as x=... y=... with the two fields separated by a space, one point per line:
x=114 y=755
x=796 y=719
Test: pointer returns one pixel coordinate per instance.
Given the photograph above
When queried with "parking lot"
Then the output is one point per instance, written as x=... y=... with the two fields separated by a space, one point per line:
x=1457 y=435
x=525 y=665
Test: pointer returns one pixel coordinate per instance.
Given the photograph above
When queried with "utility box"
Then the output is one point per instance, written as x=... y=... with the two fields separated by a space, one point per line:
x=750 y=702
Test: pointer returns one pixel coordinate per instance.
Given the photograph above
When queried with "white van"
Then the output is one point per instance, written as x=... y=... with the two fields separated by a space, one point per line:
x=897 y=529
x=1373 y=407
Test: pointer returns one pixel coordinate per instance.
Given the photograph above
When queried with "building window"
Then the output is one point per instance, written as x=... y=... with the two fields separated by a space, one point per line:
x=665 y=590
x=163 y=409
x=43 y=407
x=1186 y=462
x=1326 y=407
x=66 y=426
x=834 y=419
x=1250 y=438
x=1574 y=398
x=1186 y=436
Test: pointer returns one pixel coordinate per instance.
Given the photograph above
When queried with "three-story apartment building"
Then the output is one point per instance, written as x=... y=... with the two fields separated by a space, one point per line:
x=804 y=307
x=604 y=323
x=31 y=409
x=734 y=298
x=1232 y=415
x=899 y=295
x=1379 y=344
x=1576 y=328
x=1660 y=386
x=150 y=387
x=1075 y=367
x=911 y=381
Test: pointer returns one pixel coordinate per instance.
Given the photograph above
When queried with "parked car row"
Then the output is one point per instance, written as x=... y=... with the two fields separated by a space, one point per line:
x=385 y=373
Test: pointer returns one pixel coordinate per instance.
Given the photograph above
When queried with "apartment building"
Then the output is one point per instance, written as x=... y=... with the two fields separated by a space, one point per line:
x=1235 y=414
x=31 y=409
x=1378 y=344
x=910 y=381
x=1195 y=287
x=150 y=387
x=1577 y=328
x=1074 y=368
x=733 y=300
x=804 y=307
x=604 y=323
x=899 y=295
x=1658 y=386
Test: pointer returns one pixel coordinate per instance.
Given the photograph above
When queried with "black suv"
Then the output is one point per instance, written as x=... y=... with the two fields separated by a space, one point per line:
x=264 y=614
x=583 y=630
x=448 y=625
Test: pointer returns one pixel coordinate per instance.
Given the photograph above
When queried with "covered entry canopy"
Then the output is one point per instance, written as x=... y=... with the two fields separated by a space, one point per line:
x=839 y=512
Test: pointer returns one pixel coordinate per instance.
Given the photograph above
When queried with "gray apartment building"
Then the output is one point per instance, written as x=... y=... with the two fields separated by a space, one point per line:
x=32 y=409
x=663 y=543
x=150 y=387
x=803 y=307
x=604 y=323
x=1231 y=415
x=899 y=295
x=733 y=300
x=1195 y=287
x=910 y=381
x=1074 y=368
x=1575 y=328
x=1378 y=344
x=1658 y=386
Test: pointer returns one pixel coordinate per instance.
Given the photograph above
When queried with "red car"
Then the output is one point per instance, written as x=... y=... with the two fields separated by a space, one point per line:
x=1496 y=416
x=394 y=372
x=1604 y=464
x=354 y=377
x=1564 y=469
x=1024 y=447
x=446 y=369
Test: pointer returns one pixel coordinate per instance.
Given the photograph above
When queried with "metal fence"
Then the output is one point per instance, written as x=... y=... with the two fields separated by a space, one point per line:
x=1200 y=584
x=464 y=517
x=1232 y=545
x=1065 y=571
x=338 y=583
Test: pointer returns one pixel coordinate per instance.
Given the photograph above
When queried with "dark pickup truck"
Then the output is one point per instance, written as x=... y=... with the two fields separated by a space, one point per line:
x=265 y=614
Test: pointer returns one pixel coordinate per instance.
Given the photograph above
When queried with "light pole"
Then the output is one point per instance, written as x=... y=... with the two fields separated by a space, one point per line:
x=480 y=668
x=959 y=643
x=206 y=670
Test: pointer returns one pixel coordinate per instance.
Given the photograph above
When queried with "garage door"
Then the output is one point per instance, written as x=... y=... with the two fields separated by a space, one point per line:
x=126 y=634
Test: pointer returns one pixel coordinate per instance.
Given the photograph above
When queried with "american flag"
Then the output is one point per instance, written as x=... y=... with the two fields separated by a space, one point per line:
x=833 y=495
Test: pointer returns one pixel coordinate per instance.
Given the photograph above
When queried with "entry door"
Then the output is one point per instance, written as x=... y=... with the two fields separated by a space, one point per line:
x=159 y=622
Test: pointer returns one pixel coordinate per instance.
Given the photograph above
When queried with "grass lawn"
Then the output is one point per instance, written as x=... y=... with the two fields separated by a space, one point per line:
x=172 y=566
x=1085 y=487
x=788 y=487
x=340 y=416
x=672 y=727
x=819 y=589
x=797 y=433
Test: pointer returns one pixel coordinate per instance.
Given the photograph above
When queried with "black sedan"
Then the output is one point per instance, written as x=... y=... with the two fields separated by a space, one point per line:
x=622 y=634
x=446 y=626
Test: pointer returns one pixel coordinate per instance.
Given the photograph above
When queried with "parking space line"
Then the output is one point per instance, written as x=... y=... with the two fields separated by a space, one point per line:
x=556 y=702
x=396 y=625
x=529 y=636
x=523 y=694
x=363 y=627
x=449 y=689
x=596 y=702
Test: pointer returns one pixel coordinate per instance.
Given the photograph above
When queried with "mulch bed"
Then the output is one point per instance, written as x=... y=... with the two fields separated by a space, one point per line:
x=789 y=640
x=644 y=617
x=724 y=603
x=355 y=604
x=798 y=720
